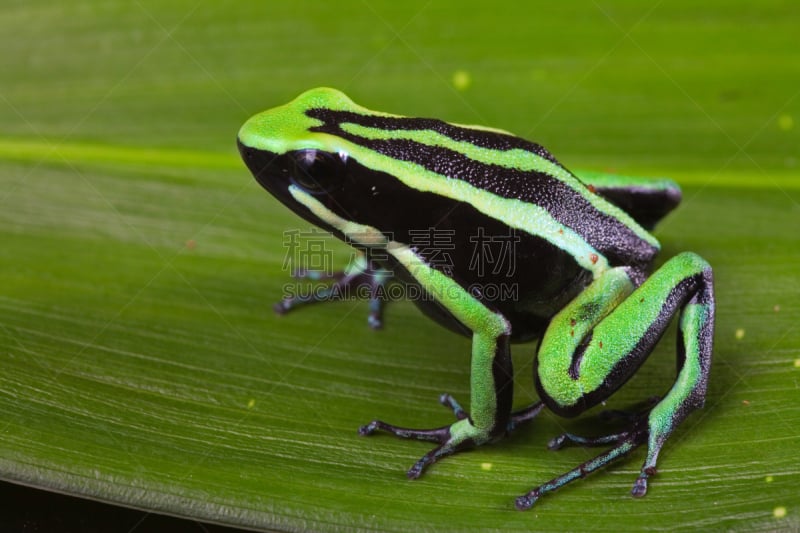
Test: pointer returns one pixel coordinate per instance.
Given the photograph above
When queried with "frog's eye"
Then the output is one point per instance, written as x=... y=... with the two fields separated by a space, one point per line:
x=317 y=172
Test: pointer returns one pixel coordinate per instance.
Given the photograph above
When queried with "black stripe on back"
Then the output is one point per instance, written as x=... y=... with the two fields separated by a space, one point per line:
x=605 y=233
x=492 y=140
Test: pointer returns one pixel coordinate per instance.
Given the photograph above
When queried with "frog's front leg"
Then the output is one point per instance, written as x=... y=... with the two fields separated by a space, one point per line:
x=360 y=274
x=490 y=406
x=491 y=376
x=601 y=338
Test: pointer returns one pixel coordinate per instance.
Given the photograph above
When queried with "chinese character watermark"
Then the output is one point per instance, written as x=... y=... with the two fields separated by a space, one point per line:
x=309 y=256
x=306 y=251
x=435 y=246
x=497 y=251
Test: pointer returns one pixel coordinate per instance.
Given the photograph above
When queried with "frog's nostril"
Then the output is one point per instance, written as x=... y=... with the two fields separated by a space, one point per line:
x=245 y=151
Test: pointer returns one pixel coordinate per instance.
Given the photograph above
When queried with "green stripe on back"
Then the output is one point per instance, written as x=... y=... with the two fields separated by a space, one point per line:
x=516 y=214
x=518 y=159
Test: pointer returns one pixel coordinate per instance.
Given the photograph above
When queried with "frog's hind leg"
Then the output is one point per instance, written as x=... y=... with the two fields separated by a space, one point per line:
x=601 y=338
x=646 y=200
x=623 y=446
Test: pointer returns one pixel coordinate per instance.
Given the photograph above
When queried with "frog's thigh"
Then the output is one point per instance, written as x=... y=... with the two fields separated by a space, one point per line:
x=647 y=200
x=491 y=375
x=567 y=339
x=611 y=341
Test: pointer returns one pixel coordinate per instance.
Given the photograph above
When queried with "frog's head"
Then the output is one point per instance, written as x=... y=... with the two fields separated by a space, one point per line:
x=307 y=160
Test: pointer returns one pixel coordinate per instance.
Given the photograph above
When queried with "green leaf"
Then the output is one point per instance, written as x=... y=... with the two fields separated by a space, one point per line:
x=141 y=362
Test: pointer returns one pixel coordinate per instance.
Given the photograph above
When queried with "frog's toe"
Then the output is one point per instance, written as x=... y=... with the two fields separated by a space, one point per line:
x=375 y=317
x=640 y=486
x=448 y=401
x=440 y=434
x=566 y=439
x=517 y=419
x=523 y=416
x=316 y=275
x=459 y=436
x=452 y=444
x=359 y=281
x=282 y=307
x=323 y=294
x=287 y=304
x=624 y=443
x=637 y=429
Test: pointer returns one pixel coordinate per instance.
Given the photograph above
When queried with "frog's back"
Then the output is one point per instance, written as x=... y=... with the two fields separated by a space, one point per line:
x=510 y=179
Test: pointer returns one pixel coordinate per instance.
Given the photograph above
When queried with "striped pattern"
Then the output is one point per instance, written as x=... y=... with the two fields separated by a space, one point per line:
x=515 y=180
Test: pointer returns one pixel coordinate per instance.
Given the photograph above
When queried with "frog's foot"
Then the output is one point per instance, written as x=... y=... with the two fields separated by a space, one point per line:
x=623 y=443
x=360 y=279
x=523 y=416
x=454 y=438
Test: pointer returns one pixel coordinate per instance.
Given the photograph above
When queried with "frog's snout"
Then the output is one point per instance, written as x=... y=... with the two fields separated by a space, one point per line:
x=257 y=161
x=265 y=168
x=248 y=154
